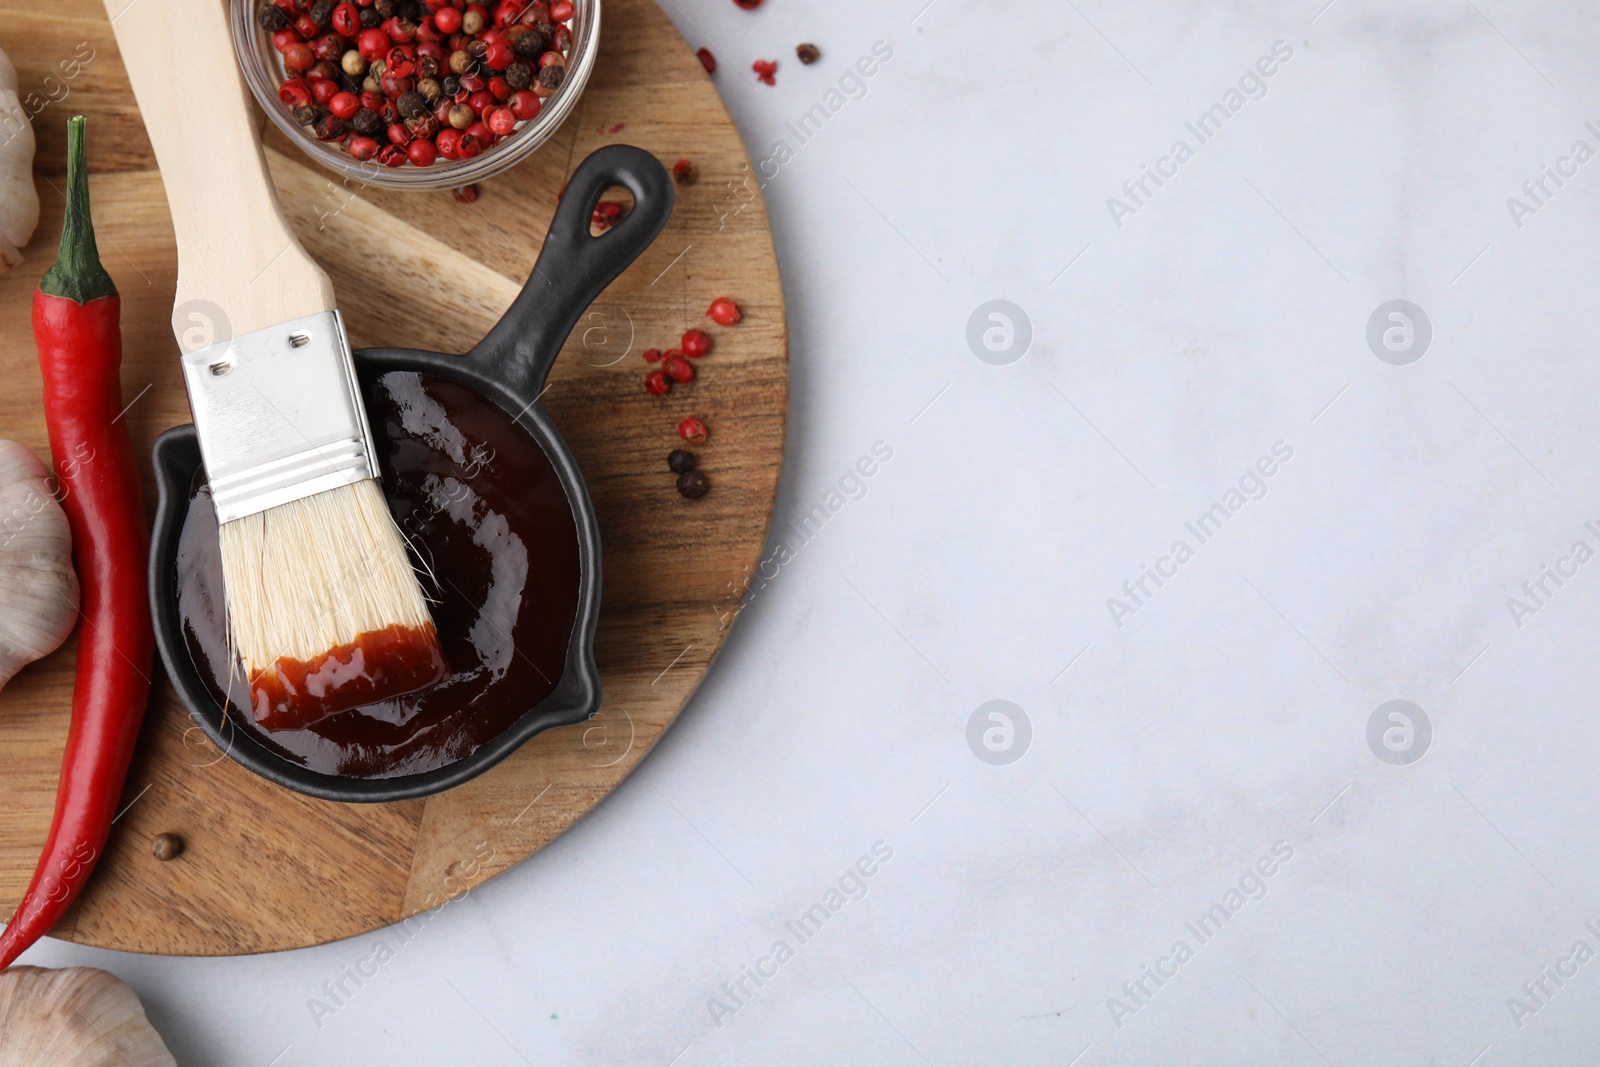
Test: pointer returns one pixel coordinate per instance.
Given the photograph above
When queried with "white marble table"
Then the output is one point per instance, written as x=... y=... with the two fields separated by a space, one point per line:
x=1196 y=764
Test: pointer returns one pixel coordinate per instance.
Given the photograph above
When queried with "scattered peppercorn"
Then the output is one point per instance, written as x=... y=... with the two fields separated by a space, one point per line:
x=466 y=194
x=166 y=847
x=724 y=312
x=693 y=430
x=808 y=53
x=685 y=172
x=677 y=368
x=707 y=60
x=766 y=71
x=696 y=343
x=693 y=484
x=652 y=355
x=658 y=383
x=679 y=461
x=748 y=5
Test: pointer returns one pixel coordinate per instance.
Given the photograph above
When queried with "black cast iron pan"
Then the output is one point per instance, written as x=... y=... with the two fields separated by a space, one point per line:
x=508 y=366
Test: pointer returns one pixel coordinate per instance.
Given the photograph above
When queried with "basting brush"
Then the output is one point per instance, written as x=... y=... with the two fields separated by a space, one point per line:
x=324 y=608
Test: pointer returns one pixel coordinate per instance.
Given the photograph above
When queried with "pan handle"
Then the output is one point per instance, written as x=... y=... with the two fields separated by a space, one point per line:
x=574 y=267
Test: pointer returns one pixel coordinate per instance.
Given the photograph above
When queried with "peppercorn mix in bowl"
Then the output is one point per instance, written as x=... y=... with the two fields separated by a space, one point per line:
x=417 y=94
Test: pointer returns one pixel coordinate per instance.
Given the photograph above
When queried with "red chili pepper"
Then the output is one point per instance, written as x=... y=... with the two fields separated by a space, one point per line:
x=75 y=324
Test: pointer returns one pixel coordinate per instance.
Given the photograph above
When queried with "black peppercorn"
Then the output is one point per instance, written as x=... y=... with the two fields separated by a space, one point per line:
x=384 y=8
x=305 y=115
x=272 y=18
x=330 y=128
x=166 y=847
x=808 y=53
x=408 y=9
x=693 y=484
x=519 y=75
x=322 y=13
x=412 y=104
x=547 y=30
x=370 y=19
x=551 y=77
x=367 y=122
x=477 y=49
x=529 y=44
x=679 y=461
x=451 y=85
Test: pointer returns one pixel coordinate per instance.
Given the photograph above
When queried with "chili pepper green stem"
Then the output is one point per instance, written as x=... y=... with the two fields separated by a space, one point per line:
x=77 y=273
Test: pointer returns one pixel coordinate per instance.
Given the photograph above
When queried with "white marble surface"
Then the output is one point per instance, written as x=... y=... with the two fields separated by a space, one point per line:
x=1229 y=713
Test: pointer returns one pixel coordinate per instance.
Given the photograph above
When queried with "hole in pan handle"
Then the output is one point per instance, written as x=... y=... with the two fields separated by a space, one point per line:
x=574 y=267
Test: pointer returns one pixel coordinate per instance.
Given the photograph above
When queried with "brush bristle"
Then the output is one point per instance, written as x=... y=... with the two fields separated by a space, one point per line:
x=325 y=610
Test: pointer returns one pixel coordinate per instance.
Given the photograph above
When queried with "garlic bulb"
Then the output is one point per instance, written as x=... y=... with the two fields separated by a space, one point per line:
x=38 y=588
x=19 y=200
x=77 y=1017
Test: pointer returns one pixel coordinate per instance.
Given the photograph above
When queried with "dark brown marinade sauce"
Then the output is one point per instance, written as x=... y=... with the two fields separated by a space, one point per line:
x=486 y=515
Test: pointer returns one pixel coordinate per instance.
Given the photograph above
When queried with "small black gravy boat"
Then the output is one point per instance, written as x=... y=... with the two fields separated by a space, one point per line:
x=509 y=367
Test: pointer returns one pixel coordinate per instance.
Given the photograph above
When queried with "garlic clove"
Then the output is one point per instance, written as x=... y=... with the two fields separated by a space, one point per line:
x=38 y=587
x=75 y=1017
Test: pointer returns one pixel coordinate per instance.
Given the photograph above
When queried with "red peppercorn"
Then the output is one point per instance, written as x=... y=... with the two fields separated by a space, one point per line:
x=298 y=57
x=502 y=121
x=652 y=355
x=398 y=134
x=401 y=61
x=480 y=132
x=561 y=10
x=345 y=105
x=658 y=383
x=282 y=39
x=474 y=82
x=524 y=104
x=395 y=86
x=295 y=93
x=448 y=19
x=481 y=101
x=448 y=142
x=323 y=90
x=307 y=27
x=500 y=88
x=391 y=155
x=329 y=46
x=466 y=194
x=507 y=13
x=685 y=172
x=696 y=343
x=748 y=5
x=469 y=145
x=372 y=44
x=363 y=148
x=707 y=60
x=499 y=55
x=724 y=312
x=677 y=368
x=766 y=70
x=347 y=20
x=421 y=152
x=693 y=430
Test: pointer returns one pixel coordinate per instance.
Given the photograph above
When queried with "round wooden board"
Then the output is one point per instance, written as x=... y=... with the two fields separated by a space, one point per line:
x=265 y=868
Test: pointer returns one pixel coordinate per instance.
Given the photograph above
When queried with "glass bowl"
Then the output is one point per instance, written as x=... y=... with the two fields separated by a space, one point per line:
x=263 y=70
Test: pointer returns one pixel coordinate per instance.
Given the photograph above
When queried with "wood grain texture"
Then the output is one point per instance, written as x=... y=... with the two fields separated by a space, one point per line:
x=266 y=869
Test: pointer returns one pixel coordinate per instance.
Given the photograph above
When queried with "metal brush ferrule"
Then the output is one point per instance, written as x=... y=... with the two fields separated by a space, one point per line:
x=279 y=415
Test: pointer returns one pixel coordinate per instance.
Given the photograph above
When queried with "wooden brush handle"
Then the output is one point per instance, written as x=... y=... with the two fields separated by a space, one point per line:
x=235 y=248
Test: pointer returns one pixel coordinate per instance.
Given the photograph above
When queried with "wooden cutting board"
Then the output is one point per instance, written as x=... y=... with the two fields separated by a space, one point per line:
x=265 y=868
